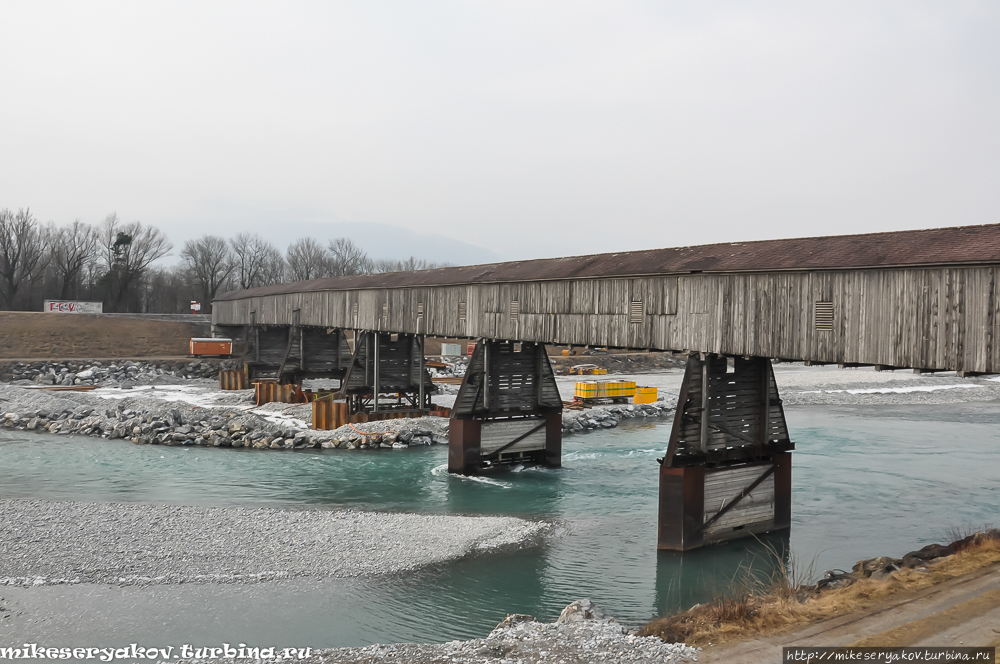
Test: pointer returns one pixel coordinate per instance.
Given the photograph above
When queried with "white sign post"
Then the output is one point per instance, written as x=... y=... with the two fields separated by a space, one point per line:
x=195 y=306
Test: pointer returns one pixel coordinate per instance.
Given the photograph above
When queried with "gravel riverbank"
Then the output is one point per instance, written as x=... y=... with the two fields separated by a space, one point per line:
x=582 y=634
x=46 y=543
x=181 y=410
x=196 y=412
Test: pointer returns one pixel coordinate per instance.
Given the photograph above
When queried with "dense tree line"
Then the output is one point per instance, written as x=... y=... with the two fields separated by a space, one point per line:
x=112 y=262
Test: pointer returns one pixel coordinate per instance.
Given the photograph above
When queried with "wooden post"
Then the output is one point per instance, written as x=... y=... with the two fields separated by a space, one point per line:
x=420 y=371
x=378 y=342
x=705 y=361
x=486 y=375
x=765 y=386
x=368 y=358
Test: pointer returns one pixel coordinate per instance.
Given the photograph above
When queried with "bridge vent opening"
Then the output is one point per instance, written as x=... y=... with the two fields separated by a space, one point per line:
x=508 y=410
x=727 y=471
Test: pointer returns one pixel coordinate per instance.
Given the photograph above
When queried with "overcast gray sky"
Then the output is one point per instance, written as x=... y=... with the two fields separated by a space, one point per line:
x=528 y=128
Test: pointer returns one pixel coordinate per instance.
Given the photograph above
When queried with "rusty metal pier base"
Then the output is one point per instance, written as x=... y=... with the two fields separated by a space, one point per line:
x=728 y=468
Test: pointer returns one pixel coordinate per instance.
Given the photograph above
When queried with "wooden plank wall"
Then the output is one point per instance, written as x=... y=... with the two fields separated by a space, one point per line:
x=755 y=511
x=934 y=318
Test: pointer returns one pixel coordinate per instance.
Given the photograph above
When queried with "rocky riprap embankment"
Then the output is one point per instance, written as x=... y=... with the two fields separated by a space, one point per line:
x=147 y=421
x=50 y=543
x=607 y=417
x=112 y=373
x=883 y=567
x=144 y=416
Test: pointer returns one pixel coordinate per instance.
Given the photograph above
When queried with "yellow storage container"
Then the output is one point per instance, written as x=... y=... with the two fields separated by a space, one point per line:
x=605 y=389
x=599 y=371
x=644 y=395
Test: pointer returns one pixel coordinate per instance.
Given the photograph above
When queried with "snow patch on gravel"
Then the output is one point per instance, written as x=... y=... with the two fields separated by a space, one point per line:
x=899 y=390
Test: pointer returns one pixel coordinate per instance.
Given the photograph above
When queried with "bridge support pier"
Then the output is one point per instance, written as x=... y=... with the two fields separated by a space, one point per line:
x=387 y=364
x=727 y=473
x=291 y=353
x=508 y=410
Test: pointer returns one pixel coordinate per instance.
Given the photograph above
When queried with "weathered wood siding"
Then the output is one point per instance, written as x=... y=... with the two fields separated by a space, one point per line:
x=929 y=318
x=496 y=434
x=755 y=511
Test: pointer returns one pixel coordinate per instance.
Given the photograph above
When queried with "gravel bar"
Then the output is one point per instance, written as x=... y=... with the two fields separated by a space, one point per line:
x=43 y=543
x=590 y=642
x=517 y=640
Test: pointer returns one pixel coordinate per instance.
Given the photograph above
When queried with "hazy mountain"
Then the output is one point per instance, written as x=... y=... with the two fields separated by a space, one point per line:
x=378 y=240
x=384 y=241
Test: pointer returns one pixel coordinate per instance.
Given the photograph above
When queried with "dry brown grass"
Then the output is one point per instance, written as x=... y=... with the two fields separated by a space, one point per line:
x=34 y=335
x=786 y=604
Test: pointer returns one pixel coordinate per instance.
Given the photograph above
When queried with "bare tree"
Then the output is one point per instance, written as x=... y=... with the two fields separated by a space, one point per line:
x=411 y=264
x=347 y=258
x=209 y=262
x=128 y=250
x=273 y=268
x=72 y=247
x=307 y=259
x=165 y=290
x=257 y=261
x=23 y=253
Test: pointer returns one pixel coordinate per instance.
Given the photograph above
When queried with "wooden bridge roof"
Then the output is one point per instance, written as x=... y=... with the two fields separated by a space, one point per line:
x=960 y=245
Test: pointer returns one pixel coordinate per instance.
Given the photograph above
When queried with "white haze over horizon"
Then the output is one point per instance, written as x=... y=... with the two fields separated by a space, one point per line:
x=526 y=129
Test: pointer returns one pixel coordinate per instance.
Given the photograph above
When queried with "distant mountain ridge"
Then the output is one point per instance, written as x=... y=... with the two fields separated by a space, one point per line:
x=384 y=241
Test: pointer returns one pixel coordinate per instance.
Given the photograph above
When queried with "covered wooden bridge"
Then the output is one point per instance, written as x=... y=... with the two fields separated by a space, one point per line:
x=914 y=299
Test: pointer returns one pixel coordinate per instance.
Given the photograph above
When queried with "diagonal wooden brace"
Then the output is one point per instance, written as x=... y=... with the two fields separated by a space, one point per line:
x=496 y=453
x=740 y=496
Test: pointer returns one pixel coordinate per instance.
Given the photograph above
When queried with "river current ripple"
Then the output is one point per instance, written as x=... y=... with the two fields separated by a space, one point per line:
x=867 y=481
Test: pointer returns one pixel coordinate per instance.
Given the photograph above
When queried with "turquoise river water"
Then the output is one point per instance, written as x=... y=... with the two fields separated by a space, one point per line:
x=867 y=481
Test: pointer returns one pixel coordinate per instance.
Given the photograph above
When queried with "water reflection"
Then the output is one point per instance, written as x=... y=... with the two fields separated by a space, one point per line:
x=686 y=579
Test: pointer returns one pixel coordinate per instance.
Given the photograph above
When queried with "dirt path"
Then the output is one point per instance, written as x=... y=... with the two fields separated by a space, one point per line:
x=959 y=612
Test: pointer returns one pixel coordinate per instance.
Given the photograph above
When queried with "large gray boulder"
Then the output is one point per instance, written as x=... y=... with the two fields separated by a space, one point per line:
x=580 y=610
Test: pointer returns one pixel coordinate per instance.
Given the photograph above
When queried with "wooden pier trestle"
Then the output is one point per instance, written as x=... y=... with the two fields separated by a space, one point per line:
x=508 y=410
x=288 y=354
x=727 y=472
x=387 y=364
